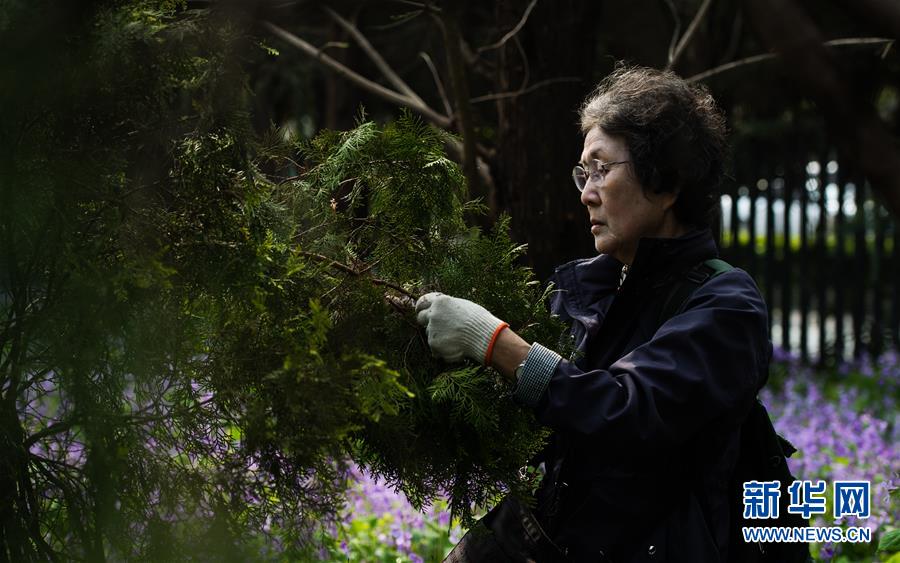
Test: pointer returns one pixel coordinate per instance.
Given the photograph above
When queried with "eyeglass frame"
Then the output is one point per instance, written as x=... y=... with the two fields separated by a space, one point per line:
x=602 y=169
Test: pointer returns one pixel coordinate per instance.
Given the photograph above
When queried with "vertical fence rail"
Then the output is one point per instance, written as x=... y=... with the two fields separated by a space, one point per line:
x=787 y=259
x=825 y=254
x=860 y=271
x=878 y=291
x=840 y=260
x=822 y=259
x=803 y=274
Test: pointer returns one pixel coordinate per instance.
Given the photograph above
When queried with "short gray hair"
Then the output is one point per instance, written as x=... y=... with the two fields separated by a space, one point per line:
x=675 y=133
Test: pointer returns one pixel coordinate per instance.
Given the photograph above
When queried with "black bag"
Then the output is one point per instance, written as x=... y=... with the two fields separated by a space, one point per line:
x=763 y=457
x=763 y=454
x=508 y=533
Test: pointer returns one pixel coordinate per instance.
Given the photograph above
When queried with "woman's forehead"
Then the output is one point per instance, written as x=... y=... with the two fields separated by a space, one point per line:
x=597 y=143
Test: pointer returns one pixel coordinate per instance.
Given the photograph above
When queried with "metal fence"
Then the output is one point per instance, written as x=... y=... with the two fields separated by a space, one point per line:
x=825 y=254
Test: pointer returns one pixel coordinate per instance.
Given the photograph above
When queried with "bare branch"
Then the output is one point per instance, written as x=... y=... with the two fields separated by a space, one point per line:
x=532 y=88
x=677 y=31
x=443 y=121
x=526 y=70
x=424 y=6
x=846 y=42
x=511 y=32
x=376 y=57
x=364 y=83
x=484 y=67
x=732 y=65
x=448 y=109
x=401 y=20
x=689 y=33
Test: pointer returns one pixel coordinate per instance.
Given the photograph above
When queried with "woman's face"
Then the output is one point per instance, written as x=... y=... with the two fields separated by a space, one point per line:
x=621 y=214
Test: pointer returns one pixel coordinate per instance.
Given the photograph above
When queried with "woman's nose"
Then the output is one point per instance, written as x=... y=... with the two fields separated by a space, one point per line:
x=589 y=195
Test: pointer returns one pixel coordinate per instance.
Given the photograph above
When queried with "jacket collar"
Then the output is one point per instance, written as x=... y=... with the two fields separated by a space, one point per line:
x=657 y=259
x=583 y=283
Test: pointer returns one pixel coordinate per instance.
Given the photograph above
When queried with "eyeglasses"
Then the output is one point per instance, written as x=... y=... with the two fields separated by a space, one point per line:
x=596 y=172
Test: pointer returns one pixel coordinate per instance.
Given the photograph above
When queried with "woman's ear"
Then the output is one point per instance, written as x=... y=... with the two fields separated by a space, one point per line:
x=667 y=199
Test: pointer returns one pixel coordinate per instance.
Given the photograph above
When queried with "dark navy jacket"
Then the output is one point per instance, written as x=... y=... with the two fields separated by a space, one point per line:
x=646 y=416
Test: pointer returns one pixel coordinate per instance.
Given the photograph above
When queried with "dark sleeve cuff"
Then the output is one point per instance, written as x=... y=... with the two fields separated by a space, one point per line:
x=540 y=363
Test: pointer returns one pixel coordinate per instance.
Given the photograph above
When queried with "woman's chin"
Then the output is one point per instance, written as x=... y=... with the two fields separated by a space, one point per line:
x=602 y=245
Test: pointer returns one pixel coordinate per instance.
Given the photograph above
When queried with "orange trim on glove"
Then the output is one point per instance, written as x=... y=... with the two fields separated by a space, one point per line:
x=490 y=348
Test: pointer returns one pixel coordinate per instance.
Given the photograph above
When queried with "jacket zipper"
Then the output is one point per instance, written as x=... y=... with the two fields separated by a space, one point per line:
x=622 y=276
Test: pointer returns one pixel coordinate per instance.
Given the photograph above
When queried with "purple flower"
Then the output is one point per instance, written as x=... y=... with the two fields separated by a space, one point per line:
x=390 y=518
x=783 y=356
x=840 y=438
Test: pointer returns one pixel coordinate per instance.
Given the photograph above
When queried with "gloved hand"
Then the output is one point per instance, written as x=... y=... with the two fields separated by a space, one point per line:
x=457 y=327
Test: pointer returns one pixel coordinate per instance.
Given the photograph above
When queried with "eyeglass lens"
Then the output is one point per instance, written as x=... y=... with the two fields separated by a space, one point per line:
x=580 y=176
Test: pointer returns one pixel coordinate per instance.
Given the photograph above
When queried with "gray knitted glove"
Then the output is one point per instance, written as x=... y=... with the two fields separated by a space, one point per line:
x=457 y=327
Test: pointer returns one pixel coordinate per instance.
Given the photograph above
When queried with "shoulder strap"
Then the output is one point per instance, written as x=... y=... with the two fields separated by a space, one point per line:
x=695 y=277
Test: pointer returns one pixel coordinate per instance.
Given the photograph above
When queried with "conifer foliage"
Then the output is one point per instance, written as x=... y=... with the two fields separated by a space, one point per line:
x=399 y=228
x=199 y=327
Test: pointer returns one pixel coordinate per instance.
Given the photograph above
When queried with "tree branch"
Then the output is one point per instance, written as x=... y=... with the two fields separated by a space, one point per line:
x=689 y=33
x=424 y=6
x=57 y=428
x=347 y=269
x=364 y=83
x=677 y=31
x=846 y=42
x=509 y=35
x=448 y=109
x=457 y=150
x=375 y=56
x=526 y=66
x=532 y=88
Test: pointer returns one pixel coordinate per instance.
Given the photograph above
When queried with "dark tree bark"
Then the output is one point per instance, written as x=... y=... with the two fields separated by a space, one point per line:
x=538 y=137
x=450 y=18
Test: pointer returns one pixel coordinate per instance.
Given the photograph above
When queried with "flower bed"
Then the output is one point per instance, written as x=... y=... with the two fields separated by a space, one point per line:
x=379 y=524
x=846 y=425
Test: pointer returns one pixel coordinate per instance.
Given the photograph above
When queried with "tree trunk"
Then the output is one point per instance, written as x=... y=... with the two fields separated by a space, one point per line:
x=538 y=191
x=450 y=17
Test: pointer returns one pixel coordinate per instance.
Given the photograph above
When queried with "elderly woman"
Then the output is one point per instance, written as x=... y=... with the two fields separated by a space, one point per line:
x=646 y=415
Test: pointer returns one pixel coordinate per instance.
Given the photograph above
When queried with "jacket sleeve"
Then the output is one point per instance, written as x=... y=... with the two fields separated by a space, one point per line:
x=701 y=364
